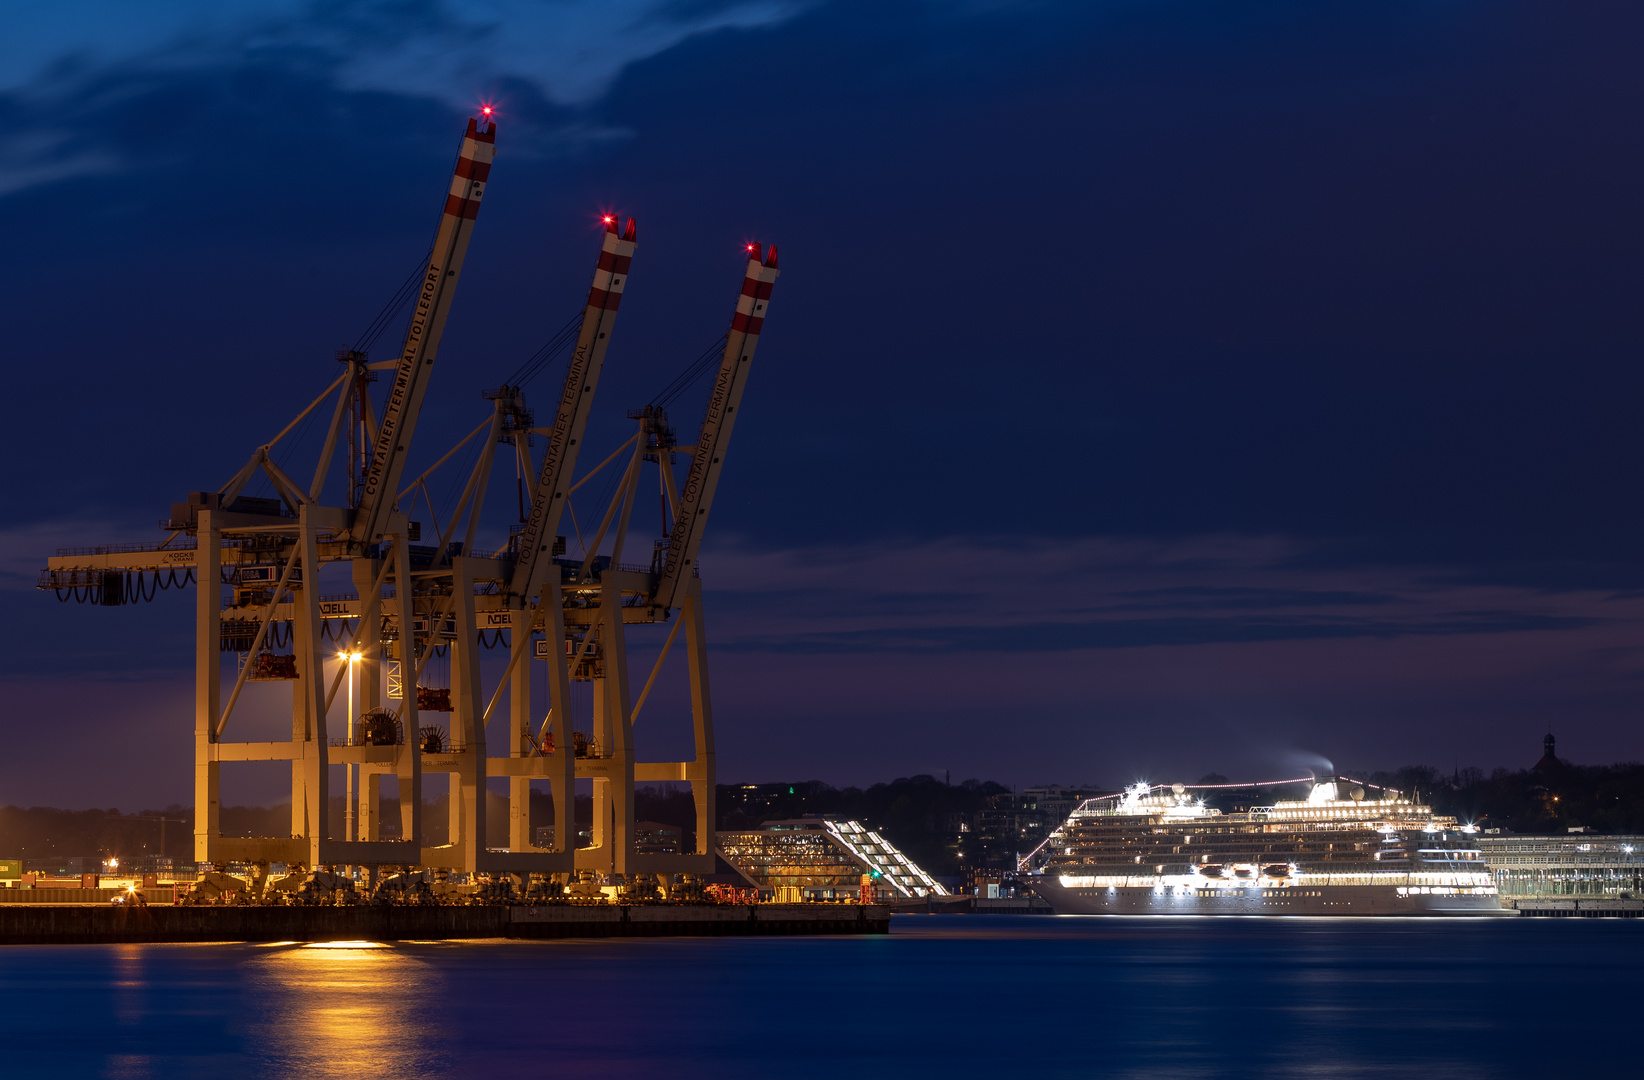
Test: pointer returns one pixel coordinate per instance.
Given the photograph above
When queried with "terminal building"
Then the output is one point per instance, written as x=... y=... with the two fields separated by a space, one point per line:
x=1574 y=866
x=824 y=859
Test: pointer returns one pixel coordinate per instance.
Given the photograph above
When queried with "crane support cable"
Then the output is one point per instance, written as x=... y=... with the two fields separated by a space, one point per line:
x=562 y=339
x=402 y=295
x=692 y=372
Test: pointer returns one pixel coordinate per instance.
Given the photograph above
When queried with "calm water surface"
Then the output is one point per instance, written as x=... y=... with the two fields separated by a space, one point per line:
x=949 y=995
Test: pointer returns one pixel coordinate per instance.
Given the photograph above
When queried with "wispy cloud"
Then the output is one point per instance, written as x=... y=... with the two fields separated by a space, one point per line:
x=28 y=158
x=570 y=49
x=25 y=548
x=1037 y=595
x=53 y=57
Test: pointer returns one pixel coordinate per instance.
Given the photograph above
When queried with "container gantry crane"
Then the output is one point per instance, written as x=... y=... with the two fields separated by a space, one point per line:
x=532 y=590
x=414 y=600
x=672 y=584
x=586 y=605
x=271 y=552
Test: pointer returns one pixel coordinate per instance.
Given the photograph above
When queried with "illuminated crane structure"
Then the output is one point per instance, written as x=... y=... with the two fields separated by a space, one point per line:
x=413 y=601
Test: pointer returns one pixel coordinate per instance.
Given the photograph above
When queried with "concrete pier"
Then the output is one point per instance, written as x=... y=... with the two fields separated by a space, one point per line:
x=22 y=924
x=1597 y=907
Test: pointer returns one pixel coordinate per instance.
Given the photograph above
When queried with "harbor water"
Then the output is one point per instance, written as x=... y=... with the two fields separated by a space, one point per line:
x=942 y=995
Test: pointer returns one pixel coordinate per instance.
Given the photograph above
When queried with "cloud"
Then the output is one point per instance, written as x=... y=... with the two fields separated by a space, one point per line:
x=570 y=49
x=56 y=59
x=1035 y=595
x=25 y=548
x=29 y=158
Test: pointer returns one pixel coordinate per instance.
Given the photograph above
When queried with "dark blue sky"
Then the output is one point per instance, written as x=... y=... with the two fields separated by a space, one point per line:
x=1152 y=387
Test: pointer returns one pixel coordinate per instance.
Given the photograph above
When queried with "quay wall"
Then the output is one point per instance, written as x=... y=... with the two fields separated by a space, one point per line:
x=1595 y=908
x=55 y=924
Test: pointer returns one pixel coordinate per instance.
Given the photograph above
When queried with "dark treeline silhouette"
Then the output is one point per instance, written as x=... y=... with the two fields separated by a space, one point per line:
x=43 y=832
x=907 y=810
x=1553 y=797
x=915 y=813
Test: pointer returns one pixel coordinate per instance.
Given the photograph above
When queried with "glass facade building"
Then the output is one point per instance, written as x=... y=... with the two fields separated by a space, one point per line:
x=823 y=857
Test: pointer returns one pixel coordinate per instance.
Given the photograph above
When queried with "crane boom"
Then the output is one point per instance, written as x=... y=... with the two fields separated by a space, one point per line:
x=576 y=399
x=422 y=339
x=697 y=495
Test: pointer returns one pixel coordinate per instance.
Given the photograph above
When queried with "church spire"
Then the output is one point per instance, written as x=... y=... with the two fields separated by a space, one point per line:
x=1549 y=760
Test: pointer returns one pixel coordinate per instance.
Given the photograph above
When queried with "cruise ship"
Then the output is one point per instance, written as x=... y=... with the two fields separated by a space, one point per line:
x=1159 y=850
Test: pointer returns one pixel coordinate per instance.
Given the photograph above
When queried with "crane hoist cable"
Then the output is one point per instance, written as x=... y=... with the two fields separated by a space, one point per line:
x=402 y=296
x=563 y=338
x=692 y=372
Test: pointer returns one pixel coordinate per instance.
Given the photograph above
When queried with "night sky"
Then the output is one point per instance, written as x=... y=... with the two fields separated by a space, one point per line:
x=1153 y=387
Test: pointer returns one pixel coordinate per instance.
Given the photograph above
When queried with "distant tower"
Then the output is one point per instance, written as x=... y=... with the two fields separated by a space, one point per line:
x=1549 y=760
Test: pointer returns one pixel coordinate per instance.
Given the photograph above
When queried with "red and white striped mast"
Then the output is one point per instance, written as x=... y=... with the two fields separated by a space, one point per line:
x=422 y=340
x=576 y=400
x=696 y=496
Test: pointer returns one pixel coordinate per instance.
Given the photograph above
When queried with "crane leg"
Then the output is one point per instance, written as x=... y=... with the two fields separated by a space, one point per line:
x=619 y=719
x=309 y=689
x=559 y=702
x=519 y=724
x=208 y=672
x=467 y=726
x=702 y=719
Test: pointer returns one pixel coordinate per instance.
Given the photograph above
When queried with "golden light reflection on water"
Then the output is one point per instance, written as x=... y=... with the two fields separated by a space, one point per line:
x=131 y=1005
x=344 y=1009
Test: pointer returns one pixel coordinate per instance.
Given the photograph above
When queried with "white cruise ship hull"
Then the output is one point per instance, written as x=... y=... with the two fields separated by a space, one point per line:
x=1337 y=900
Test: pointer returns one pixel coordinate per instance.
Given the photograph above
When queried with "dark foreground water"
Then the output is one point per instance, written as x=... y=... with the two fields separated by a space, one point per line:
x=945 y=995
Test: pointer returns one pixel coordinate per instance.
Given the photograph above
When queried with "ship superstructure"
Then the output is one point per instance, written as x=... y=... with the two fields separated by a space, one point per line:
x=1343 y=850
